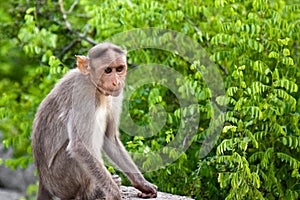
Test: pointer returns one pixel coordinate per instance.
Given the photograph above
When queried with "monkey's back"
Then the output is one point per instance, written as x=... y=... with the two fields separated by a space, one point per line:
x=49 y=130
x=50 y=138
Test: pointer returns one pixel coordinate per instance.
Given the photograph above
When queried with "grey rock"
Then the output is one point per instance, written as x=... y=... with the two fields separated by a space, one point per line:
x=9 y=195
x=18 y=179
x=130 y=193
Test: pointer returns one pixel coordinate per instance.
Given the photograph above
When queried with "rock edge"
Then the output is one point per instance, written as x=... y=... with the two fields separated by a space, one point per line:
x=130 y=193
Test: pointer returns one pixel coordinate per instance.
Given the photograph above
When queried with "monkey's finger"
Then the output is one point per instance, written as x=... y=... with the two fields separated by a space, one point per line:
x=147 y=195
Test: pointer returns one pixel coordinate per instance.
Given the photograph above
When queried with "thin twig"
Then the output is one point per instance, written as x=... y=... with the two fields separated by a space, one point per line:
x=69 y=46
x=62 y=9
x=88 y=39
x=224 y=69
x=72 y=6
x=68 y=25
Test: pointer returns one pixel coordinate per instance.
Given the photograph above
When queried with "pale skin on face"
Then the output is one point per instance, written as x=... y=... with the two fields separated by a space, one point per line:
x=109 y=76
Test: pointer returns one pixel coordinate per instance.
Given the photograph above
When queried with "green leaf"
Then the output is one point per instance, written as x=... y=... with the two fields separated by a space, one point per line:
x=261 y=67
x=294 y=163
x=274 y=54
x=287 y=84
x=227 y=128
x=286 y=52
x=288 y=61
x=283 y=42
x=226 y=145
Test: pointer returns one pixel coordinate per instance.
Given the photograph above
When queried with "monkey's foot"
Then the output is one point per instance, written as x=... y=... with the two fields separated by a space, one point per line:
x=117 y=179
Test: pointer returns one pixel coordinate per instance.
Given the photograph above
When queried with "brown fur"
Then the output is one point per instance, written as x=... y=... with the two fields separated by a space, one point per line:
x=77 y=119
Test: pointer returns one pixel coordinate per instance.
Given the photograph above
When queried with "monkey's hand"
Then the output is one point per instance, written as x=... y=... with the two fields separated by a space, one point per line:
x=148 y=190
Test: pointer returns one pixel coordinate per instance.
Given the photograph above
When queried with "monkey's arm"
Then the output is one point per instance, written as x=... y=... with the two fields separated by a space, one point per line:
x=114 y=148
x=78 y=149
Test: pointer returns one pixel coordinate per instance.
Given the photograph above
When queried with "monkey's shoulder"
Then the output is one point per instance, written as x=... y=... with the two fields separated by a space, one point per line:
x=71 y=79
x=72 y=83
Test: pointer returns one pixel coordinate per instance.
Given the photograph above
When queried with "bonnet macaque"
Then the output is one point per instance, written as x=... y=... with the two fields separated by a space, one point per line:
x=76 y=121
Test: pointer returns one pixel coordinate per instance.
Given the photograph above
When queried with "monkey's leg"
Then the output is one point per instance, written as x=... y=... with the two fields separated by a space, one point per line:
x=103 y=178
x=43 y=193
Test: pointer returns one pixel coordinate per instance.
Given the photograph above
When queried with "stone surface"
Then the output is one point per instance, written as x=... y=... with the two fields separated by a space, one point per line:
x=9 y=195
x=18 y=179
x=130 y=193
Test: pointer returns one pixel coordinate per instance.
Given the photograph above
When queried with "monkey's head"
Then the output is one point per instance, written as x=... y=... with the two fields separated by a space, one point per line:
x=106 y=66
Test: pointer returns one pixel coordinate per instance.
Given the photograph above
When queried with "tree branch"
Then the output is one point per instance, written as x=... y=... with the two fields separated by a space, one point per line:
x=224 y=69
x=68 y=25
x=69 y=46
x=72 y=6
x=62 y=9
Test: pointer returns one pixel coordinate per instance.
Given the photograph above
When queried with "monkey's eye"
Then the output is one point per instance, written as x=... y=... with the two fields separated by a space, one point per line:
x=120 y=68
x=108 y=70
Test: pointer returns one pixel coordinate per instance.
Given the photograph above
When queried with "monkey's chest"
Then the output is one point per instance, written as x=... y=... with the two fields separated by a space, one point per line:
x=100 y=128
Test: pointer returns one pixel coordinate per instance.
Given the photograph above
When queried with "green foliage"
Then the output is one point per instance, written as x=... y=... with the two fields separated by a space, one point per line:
x=255 y=45
x=259 y=151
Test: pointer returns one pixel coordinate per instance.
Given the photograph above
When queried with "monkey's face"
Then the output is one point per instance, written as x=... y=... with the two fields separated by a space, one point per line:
x=111 y=77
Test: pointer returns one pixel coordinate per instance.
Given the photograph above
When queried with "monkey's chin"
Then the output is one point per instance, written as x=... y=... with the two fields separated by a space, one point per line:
x=116 y=93
x=106 y=92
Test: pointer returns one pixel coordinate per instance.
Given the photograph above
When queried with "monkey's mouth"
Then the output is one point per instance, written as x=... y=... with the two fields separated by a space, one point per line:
x=110 y=92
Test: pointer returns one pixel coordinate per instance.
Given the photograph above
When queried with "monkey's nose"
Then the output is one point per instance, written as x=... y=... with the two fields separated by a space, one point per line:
x=115 y=83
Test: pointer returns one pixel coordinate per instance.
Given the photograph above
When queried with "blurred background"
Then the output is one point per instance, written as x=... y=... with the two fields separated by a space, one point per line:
x=255 y=45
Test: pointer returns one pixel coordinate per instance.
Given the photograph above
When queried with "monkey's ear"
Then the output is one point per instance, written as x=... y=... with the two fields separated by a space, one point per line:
x=83 y=64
